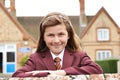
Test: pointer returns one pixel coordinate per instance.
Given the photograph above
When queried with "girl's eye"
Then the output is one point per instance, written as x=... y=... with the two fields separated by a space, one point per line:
x=61 y=34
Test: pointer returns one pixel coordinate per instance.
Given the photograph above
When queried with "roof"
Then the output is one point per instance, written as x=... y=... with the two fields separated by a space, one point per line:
x=31 y=24
x=94 y=18
x=18 y=25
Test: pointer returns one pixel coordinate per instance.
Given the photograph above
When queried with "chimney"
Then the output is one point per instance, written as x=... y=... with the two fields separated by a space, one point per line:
x=9 y=5
x=83 y=18
x=12 y=7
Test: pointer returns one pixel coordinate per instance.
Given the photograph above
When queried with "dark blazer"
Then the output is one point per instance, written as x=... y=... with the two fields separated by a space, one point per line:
x=73 y=63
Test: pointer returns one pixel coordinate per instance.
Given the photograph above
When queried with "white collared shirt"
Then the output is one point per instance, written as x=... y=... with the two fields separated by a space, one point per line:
x=60 y=56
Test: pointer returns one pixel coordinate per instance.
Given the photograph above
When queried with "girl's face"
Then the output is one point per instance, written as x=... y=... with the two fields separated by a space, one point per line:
x=56 y=38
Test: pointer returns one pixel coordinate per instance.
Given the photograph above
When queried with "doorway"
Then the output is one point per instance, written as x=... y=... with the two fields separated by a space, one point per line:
x=1 y=62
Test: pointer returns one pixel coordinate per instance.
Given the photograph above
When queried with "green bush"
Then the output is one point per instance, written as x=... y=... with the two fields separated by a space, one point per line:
x=108 y=65
x=23 y=61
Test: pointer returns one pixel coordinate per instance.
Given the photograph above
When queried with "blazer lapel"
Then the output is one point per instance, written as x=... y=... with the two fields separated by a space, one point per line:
x=67 y=59
x=49 y=62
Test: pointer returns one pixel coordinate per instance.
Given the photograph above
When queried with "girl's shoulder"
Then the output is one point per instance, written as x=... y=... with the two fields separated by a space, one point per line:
x=79 y=53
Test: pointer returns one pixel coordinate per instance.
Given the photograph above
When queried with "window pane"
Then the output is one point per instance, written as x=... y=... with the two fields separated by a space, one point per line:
x=10 y=56
x=99 y=35
x=103 y=55
x=10 y=68
x=99 y=57
x=7 y=3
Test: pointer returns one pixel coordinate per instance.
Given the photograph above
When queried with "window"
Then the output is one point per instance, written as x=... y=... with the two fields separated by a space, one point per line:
x=103 y=54
x=103 y=34
x=10 y=57
x=7 y=3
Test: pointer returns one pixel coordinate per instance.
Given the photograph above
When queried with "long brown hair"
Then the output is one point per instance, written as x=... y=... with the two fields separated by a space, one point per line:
x=53 y=19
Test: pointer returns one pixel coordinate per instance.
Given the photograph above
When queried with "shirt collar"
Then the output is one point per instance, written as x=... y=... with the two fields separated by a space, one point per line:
x=60 y=55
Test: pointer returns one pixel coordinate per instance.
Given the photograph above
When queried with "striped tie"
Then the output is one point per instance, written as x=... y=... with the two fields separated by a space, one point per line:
x=57 y=63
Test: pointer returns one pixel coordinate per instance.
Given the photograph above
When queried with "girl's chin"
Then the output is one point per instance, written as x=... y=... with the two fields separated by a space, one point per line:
x=57 y=52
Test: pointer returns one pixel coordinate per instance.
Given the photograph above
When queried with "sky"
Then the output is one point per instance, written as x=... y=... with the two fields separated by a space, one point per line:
x=69 y=7
x=42 y=7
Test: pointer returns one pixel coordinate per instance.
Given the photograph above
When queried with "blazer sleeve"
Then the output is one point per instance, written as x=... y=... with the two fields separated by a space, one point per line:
x=85 y=66
x=29 y=66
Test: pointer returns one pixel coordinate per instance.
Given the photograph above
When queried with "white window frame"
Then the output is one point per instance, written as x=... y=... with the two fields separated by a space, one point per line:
x=4 y=48
x=7 y=3
x=103 y=54
x=103 y=34
x=10 y=48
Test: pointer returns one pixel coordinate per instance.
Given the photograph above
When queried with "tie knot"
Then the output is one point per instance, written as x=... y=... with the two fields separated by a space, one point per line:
x=57 y=59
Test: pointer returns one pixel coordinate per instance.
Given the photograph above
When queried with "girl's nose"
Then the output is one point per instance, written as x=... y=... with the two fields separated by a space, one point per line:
x=56 y=39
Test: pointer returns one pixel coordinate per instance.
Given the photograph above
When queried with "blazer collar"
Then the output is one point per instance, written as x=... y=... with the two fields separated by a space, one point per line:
x=67 y=59
x=48 y=60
